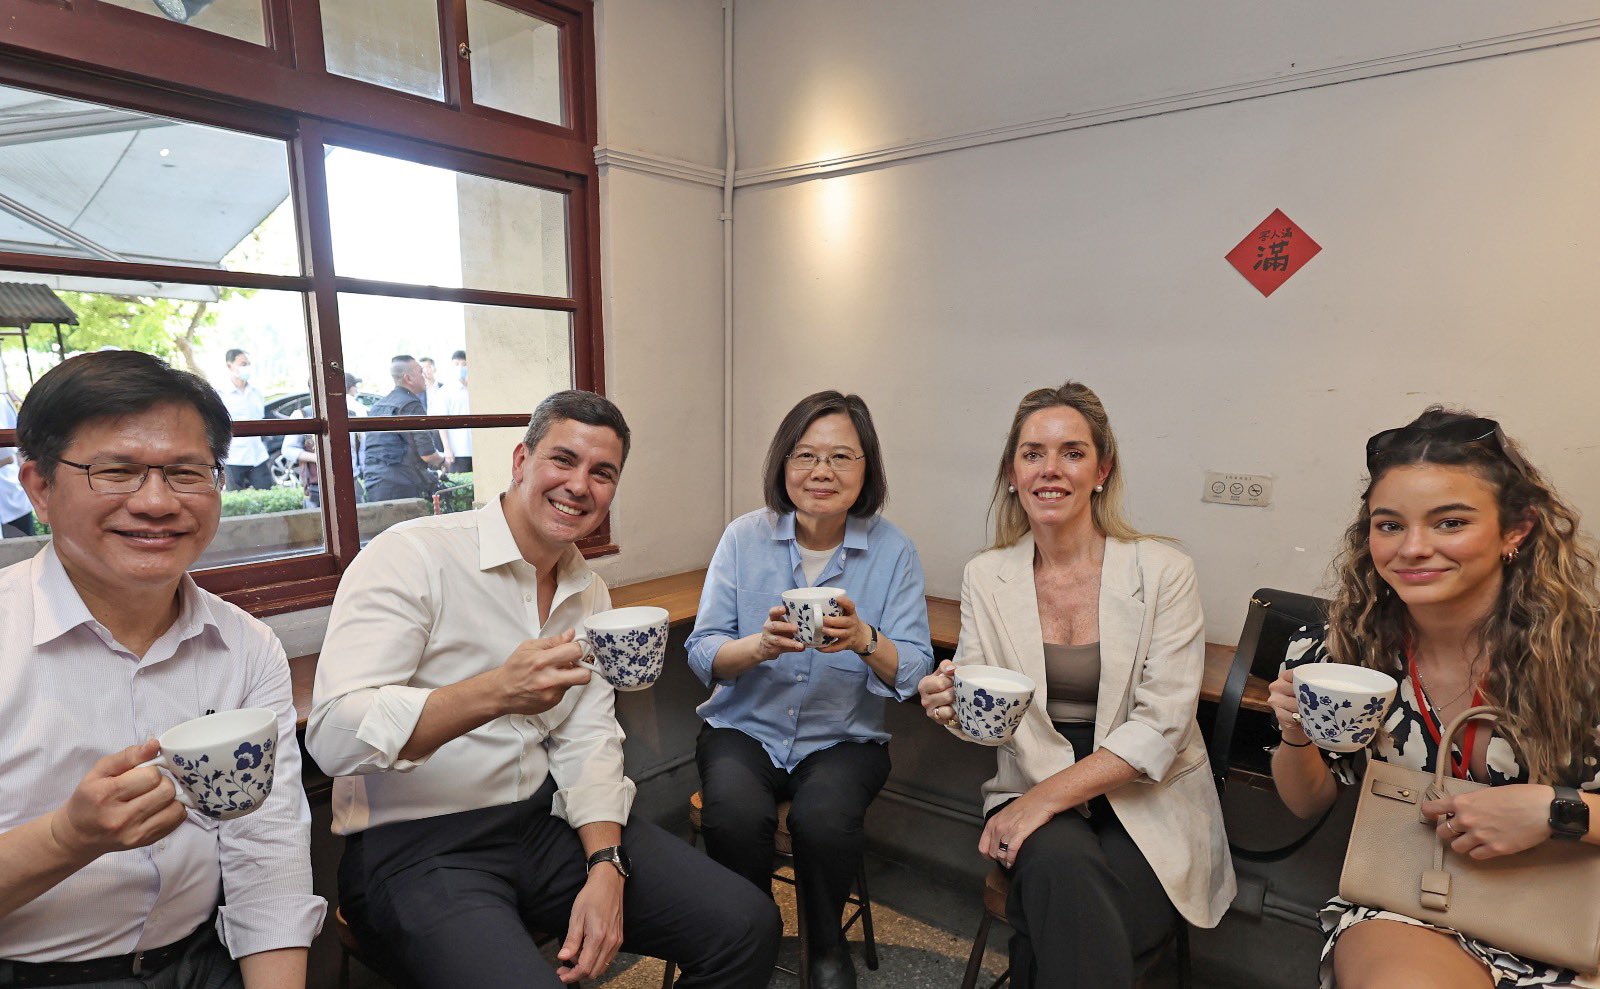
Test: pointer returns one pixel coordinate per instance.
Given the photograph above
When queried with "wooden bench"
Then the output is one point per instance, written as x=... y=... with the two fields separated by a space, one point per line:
x=680 y=595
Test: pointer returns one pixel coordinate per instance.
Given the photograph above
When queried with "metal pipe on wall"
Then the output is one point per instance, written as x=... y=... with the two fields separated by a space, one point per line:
x=727 y=261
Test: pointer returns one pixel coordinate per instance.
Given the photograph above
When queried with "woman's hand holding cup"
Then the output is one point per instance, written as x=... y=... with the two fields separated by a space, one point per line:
x=938 y=693
x=845 y=630
x=1280 y=696
x=776 y=637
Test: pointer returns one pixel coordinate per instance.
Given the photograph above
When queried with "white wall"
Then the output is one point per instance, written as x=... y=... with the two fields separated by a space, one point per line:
x=1456 y=207
x=661 y=270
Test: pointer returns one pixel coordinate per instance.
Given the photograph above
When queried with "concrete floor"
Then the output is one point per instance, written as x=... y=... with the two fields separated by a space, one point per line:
x=924 y=931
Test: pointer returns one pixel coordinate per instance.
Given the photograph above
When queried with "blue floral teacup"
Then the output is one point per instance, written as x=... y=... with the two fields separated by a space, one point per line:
x=806 y=607
x=1341 y=706
x=990 y=703
x=222 y=762
x=627 y=646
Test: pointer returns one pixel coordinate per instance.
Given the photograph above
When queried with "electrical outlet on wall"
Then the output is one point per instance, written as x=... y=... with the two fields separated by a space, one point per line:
x=1249 y=490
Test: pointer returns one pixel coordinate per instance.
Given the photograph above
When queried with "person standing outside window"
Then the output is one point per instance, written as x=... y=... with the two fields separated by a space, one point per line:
x=455 y=402
x=16 y=512
x=247 y=464
x=395 y=464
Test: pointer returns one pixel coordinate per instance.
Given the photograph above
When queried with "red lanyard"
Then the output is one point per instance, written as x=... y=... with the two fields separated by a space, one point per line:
x=1460 y=768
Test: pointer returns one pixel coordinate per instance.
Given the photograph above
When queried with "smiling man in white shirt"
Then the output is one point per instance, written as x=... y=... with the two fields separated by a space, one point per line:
x=105 y=879
x=479 y=766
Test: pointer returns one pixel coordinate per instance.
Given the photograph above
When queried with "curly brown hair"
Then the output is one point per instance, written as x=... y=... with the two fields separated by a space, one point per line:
x=1542 y=638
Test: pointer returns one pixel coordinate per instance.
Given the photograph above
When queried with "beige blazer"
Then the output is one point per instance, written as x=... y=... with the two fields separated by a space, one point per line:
x=1152 y=654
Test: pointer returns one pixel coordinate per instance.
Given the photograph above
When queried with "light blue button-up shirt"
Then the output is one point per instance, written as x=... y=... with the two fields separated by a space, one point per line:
x=803 y=702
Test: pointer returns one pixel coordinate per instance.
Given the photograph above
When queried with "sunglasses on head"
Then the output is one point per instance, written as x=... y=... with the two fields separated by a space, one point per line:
x=1460 y=431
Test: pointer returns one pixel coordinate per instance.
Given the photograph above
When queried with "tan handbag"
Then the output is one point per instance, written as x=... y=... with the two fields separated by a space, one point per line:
x=1542 y=904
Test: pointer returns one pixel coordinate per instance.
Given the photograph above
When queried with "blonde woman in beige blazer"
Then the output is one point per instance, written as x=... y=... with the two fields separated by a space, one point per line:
x=1106 y=819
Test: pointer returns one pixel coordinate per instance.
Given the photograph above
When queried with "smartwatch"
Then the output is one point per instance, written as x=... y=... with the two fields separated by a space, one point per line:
x=1569 y=814
x=613 y=855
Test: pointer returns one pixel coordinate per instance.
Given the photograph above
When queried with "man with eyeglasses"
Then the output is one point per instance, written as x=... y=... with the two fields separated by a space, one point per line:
x=105 y=879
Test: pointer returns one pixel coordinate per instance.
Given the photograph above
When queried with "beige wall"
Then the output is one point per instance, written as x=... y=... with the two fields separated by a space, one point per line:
x=661 y=269
x=1456 y=207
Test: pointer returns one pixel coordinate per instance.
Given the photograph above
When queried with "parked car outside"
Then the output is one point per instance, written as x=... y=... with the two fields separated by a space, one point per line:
x=288 y=407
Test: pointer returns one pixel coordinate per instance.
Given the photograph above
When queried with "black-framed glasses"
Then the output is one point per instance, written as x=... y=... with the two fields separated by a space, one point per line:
x=839 y=463
x=1460 y=431
x=116 y=478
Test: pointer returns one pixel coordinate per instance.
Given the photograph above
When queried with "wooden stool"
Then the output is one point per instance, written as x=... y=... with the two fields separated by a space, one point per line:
x=783 y=846
x=997 y=889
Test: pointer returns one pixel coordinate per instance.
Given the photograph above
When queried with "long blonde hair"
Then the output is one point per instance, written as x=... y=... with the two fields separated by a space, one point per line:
x=1105 y=507
x=1542 y=637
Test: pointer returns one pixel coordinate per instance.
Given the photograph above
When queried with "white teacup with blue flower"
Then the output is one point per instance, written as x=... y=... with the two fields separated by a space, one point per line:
x=627 y=646
x=222 y=762
x=806 y=607
x=990 y=703
x=1341 y=706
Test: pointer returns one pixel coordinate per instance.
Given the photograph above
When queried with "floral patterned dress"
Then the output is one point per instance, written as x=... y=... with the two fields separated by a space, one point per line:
x=1408 y=740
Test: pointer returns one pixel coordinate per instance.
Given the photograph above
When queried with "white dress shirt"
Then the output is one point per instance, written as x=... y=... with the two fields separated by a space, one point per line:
x=456 y=402
x=71 y=694
x=427 y=604
x=244 y=403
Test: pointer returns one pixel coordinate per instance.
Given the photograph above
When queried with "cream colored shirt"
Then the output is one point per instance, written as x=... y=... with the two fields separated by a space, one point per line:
x=430 y=603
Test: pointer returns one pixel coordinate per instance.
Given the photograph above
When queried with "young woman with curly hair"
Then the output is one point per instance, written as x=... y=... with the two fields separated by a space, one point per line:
x=1464 y=577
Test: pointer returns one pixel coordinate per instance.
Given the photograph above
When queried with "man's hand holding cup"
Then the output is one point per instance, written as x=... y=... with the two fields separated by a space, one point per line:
x=539 y=672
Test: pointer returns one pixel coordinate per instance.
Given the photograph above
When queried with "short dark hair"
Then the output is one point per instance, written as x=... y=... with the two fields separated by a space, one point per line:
x=233 y=354
x=459 y=355
x=874 y=489
x=399 y=364
x=109 y=384
x=424 y=360
x=580 y=406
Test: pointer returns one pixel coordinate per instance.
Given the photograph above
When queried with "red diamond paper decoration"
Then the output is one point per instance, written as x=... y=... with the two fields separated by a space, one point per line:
x=1271 y=253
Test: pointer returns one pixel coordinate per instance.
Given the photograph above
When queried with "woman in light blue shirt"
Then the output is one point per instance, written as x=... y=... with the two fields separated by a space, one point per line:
x=790 y=722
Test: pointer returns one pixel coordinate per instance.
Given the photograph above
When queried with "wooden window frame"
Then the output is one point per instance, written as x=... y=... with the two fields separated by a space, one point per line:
x=92 y=51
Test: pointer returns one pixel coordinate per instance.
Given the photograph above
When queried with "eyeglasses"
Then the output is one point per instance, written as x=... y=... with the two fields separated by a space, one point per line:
x=128 y=478
x=839 y=463
x=1460 y=432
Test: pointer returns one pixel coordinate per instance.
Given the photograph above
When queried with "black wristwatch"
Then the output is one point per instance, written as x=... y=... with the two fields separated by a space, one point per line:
x=1569 y=814
x=615 y=856
x=872 y=646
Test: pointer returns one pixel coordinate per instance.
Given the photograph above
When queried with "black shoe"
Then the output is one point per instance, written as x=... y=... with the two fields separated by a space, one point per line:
x=833 y=970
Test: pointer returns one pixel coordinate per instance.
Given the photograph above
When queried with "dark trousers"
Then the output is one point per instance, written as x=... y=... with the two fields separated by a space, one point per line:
x=829 y=793
x=205 y=965
x=1084 y=902
x=462 y=465
x=396 y=485
x=17 y=528
x=241 y=476
x=450 y=900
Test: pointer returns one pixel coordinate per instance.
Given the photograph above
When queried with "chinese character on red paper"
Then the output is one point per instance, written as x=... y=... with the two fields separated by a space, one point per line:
x=1272 y=252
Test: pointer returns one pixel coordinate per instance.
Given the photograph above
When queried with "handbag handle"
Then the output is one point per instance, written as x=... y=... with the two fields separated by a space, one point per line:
x=1434 y=892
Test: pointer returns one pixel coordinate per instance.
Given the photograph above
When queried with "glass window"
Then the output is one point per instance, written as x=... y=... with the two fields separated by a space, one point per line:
x=393 y=43
x=516 y=62
x=456 y=230
x=194 y=328
x=83 y=180
x=235 y=18
x=390 y=495
x=514 y=357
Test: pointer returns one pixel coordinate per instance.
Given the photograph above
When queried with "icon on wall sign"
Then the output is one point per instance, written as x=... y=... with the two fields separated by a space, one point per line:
x=1271 y=253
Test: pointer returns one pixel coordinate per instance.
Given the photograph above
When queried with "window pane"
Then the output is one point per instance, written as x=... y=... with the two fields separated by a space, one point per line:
x=192 y=327
x=235 y=18
x=83 y=180
x=516 y=62
x=514 y=357
x=458 y=491
x=456 y=230
x=393 y=43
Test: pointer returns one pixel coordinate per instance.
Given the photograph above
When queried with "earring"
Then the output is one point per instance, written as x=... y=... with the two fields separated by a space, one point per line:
x=1509 y=556
x=1099 y=487
x=1011 y=488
